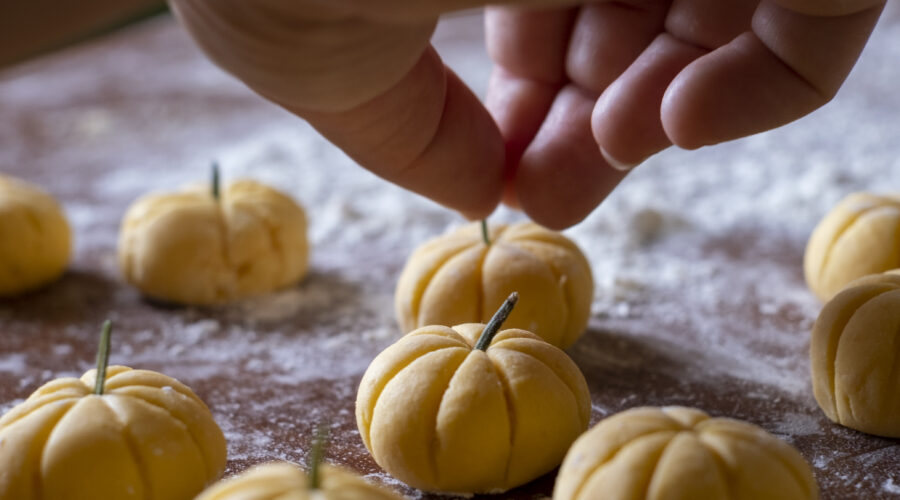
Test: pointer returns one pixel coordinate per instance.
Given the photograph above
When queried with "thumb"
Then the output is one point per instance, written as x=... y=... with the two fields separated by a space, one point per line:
x=373 y=87
x=301 y=54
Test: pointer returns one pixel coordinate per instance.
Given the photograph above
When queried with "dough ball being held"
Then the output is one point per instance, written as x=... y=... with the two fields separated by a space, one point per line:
x=35 y=239
x=135 y=434
x=471 y=409
x=681 y=453
x=201 y=246
x=460 y=278
x=860 y=236
x=285 y=481
x=855 y=356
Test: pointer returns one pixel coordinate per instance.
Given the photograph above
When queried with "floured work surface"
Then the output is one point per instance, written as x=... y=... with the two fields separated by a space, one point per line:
x=697 y=256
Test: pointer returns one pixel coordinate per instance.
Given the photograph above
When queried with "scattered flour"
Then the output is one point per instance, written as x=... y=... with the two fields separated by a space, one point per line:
x=797 y=424
x=890 y=486
x=13 y=362
x=696 y=256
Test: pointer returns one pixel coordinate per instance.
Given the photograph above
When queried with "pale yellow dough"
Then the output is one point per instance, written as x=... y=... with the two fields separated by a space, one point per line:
x=860 y=236
x=35 y=240
x=148 y=437
x=285 y=481
x=187 y=247
x=681 y=454
x=456 y=278
x=855 y=356
x=441 y=416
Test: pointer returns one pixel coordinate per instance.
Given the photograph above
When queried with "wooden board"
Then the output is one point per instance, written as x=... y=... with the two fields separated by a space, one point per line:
x=700 y=299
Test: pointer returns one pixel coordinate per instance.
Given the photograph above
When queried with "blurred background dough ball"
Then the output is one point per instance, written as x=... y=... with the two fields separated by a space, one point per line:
x=192 y=247
x=457 y=278
x=144 y=436
x=35 y=239
x=681 y=453
x=860 y=236
x=855 y=356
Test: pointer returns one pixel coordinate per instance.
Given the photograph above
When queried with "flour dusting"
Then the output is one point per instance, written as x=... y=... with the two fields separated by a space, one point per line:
x=696 y=257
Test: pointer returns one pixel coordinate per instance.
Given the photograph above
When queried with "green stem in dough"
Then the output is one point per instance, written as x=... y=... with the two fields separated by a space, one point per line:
x=493 y=326
x=315 y=456
x=102 y=357
x=484 y=232
x=215 y=180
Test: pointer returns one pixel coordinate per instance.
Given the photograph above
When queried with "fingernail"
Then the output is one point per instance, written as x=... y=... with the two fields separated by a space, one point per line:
x=615 y=163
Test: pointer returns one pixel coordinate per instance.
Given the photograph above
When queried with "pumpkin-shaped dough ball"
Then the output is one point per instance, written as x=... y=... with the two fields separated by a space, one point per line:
x=147 y=437
x=458 y=278
x=285 y=481
x=860 y=236
x=35 y=239
x=855 y=356
x=193 y=247
x=681 y=453
x=445 y=411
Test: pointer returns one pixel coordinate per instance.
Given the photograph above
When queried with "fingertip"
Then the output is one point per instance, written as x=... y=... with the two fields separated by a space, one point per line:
x=554 y=220
x=737 y=90
x=518 y=106
x=625 y=121
x=510 y=199
x=463 y=167
x=615 y=162
x=680 y=120
x=562 y=177
x=476 y=209
x=476 y=215
x=429 y=134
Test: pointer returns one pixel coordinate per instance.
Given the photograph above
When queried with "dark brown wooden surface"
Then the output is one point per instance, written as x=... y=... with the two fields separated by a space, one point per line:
x=686 y=313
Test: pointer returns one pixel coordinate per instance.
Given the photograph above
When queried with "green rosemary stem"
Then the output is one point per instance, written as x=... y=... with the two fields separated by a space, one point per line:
x=102 y=357
x=496 y=322
x=484 y=232
x=215 y=180
x=316 y=455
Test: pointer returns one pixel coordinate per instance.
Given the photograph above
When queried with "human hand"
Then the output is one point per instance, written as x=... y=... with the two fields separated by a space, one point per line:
x=574 y=89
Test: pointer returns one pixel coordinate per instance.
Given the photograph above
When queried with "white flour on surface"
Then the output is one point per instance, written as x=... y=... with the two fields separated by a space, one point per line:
x=696 y=256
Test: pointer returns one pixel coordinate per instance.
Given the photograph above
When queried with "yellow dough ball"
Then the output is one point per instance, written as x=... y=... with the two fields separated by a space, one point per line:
x=860 y=236
x=442 y=412
x=284 y=481
x=190 y=247
x=681 y=453
x=855 y=356
x=35 y=240
x=147 y=436
x=457 y=278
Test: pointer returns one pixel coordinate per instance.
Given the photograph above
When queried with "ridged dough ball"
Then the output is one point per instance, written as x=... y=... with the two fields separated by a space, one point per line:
x=441 y=416
x=188 y=247
x=681 y=454
x=456 y=278
x=855 y=356
x=285 y=481
x=35 y=239
x=860 y=236
x=147 y=437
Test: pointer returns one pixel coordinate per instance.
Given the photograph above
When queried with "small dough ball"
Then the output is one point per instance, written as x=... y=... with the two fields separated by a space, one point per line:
x=147 y=436
x=35 y=240
x=855 y=356
x=681 y=453
x=442 y=416
x=188 y=247
x=456 y=278
x=860 y=236
x=285 y=481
